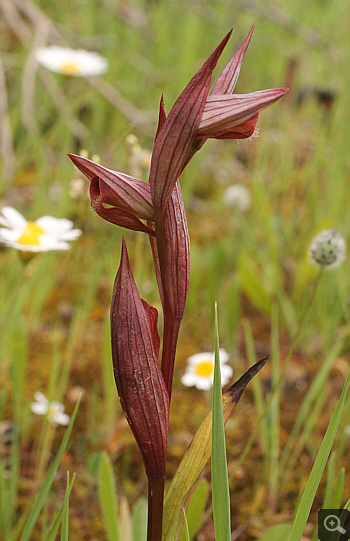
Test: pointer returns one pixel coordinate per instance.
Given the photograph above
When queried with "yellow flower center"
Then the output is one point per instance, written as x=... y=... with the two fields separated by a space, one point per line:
x=70 y=67
x=31 y=235
x=205 y=369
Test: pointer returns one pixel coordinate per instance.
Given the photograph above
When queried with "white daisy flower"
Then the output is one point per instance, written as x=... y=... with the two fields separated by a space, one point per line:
x=46 y=233
x=76 y=62
x=200 y=370
x=53 y=410
x=237 y=197
x=328 y=249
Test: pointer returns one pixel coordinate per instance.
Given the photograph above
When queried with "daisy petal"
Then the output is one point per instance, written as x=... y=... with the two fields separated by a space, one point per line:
x=223 y=355
x=199 y=358
x=54 y=226
x=204 y=384
x=12 y=218
x=9 y=236
x=39 y=408
x=40 y=397
x=61 y=418
x=189 y=379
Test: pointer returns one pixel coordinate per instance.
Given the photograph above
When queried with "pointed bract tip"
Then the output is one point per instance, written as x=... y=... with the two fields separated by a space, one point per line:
x=79 y=160
x=124 y=253
x=250 y=33
x=236 y=390
x=227 y=37
x=73 y=157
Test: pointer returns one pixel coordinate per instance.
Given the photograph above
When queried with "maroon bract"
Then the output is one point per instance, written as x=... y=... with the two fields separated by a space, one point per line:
x=140 y=384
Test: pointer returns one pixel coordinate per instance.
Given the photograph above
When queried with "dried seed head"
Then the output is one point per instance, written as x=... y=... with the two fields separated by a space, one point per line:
x=328 y=249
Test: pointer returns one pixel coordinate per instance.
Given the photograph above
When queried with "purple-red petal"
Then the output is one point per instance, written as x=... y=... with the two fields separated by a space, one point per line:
x=226 y=82
x=117 y=216
x=118 y=189
x=225 y=111
x=175 y=138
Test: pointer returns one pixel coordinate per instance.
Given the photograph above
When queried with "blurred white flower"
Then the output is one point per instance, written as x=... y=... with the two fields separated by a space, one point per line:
x=200 y=370
x=75 y=62
x=328 y=249
x=237 y=197
x=140 y=158
x=46 y=233
x=78 y=188
x=53 y=410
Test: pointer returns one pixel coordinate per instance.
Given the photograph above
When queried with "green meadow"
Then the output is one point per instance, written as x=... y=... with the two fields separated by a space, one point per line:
x=272 y=300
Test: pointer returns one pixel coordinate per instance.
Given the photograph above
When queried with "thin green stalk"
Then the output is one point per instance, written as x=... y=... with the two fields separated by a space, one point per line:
x=317 y=470
x=279 y=382
x=220 y=485
x=312 y=396
x=274 y=416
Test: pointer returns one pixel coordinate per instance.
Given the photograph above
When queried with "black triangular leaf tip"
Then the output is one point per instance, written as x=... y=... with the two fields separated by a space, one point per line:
x=236 y=390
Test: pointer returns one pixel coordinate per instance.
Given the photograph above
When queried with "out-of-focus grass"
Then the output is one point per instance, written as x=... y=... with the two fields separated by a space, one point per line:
x=54 y=309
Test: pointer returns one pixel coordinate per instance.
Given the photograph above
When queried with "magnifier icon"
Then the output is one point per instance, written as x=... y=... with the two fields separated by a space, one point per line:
x=332 y=524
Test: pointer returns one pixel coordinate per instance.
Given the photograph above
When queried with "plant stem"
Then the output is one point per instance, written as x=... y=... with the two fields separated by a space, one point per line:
x=171 y=331
x=155 y=509
x=279 y=381
x=171 y=322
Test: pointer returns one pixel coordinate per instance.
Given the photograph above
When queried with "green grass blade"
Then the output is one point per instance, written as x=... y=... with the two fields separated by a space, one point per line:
x=65 y=517
x=257 y=387
x=139 y=520
x=185 y=530
x=338 y=491
x=273 y=414
x=196 y=508
x=317 y=470
x=40 y=499
x=316 y=389
x=277 y=532
x=55 y=524
x=220 y=487
x=196 y=457
x=107 y=496
x=328 y=494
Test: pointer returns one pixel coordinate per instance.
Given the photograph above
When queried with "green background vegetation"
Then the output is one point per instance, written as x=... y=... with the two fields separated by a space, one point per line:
x=55 y=308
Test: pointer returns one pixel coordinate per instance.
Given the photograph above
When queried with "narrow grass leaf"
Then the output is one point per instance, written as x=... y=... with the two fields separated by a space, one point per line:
x=124 y=520
x=196 y=457
x=41 y=497
x=317 y=470
x=220 y=487
x=108 y=499
x=257 y=387
x=273 y=414
x=65 y=517
x=185 y=529
x=328 y=493
x=139 y=520
x=196 y=508
x=316 y=389
x=55 y=524
x=338 y=491
x=277 y=532
x=52 y=533
x=251 y=283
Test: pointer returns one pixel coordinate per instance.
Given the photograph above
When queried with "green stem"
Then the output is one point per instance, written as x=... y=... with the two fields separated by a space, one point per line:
x=279 y=381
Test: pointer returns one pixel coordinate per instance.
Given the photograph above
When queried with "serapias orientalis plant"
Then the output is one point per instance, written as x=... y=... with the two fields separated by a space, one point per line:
x=144 y=381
